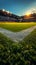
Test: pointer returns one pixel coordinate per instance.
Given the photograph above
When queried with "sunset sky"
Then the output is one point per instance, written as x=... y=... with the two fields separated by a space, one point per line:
x=18 y=7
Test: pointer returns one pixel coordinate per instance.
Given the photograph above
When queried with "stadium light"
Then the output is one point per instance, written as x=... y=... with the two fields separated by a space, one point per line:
x=3 y=10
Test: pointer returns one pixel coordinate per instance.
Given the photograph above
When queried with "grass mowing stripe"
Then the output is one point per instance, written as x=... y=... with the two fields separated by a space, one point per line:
x=16 y=26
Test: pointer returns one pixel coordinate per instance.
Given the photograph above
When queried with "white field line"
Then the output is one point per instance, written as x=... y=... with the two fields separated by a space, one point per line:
x=17 y=36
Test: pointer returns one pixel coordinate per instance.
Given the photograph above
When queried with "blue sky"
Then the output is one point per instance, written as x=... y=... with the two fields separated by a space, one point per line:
x=18 y=7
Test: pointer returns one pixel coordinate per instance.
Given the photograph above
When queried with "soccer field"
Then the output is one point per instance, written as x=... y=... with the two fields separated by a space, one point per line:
x=16 y=26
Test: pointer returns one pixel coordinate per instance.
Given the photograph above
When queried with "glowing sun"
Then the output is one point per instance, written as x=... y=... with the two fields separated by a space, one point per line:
x=28 y=13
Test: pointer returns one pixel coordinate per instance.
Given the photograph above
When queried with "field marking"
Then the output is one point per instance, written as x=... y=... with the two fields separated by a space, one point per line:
x=17 y=36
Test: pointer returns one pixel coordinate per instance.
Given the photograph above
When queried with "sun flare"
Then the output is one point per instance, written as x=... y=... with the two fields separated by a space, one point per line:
x=28 y=13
